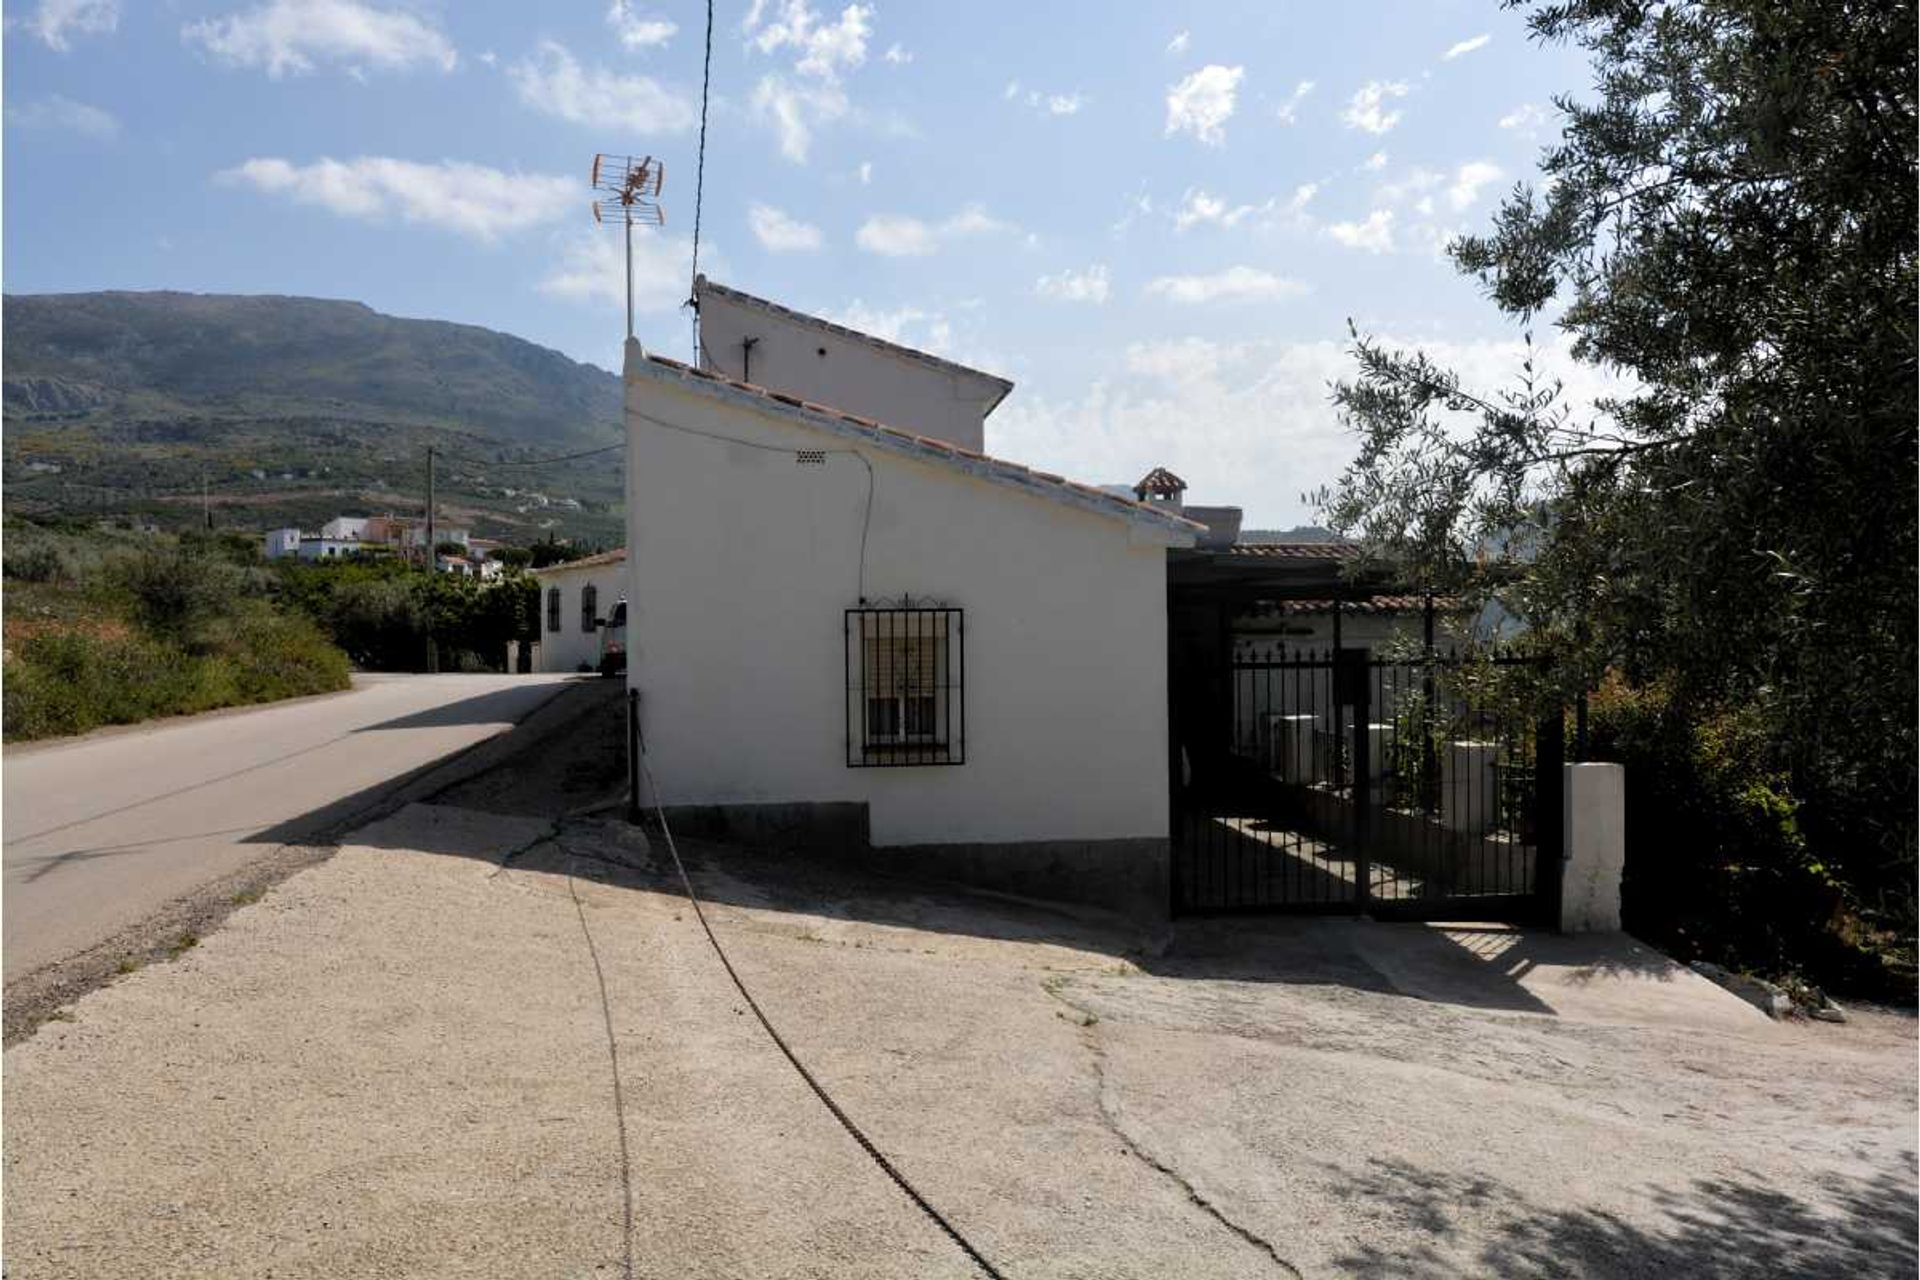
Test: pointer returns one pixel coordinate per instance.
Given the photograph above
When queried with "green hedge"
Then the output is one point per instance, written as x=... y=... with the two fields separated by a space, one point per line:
x=1719 y=863
x=69 y=681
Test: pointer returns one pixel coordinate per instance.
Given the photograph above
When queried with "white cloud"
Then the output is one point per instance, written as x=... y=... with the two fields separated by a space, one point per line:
x=1053 y=104
x=1246 y=423
x=1180 y=42
x=294 y=36
x=472 y=200
x=1374 y=235
x=1197 y=206
x=635 y=31
x=1091 y=285
x=796 y=109
x=778 y=232
x=822 y=49
x=865 y=173
x=1202 y=103
x=1235 y=284
x=1525 y=119
x=1465 y=46
x=54 y=112
x=1368 y=110
x=489 y=57
x=1468 y=181
x=1375 y=162
x=554 y=82
x=1290 y=109
x=592 y=269
x=898 y=236
x=1415 y=189
x=57 y=22
x=898 y=56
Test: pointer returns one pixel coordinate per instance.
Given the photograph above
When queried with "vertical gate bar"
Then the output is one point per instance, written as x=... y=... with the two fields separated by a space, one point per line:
x=1357 y=788
x=1295 y=774
x=1548 y=799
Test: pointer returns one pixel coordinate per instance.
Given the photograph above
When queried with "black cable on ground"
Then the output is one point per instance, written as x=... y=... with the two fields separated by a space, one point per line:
x=613 y=1055
x=819 y=1091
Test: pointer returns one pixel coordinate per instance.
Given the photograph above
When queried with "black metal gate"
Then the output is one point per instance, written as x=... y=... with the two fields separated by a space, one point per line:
x=1335 y=780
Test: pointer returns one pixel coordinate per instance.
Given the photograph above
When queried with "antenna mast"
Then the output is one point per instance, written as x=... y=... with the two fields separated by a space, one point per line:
x=630 y=188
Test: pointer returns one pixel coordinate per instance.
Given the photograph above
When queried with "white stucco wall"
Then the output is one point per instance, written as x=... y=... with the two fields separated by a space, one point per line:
x=852 y=376
x=567 y=648
x=743 y=563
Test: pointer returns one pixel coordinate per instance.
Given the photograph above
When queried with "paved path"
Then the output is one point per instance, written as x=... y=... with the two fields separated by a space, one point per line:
x=407 y=1061
x=102 y=831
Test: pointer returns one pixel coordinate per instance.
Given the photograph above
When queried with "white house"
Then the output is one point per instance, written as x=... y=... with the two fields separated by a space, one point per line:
x=307 y=546
x=574 y=597
x=885 y=634
x=352 y=528
x=764 y=343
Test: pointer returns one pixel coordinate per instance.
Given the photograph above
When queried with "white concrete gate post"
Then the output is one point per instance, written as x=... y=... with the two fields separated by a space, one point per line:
x=1594 y=840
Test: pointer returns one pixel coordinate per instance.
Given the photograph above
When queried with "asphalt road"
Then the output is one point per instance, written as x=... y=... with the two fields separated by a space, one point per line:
x=102 y=831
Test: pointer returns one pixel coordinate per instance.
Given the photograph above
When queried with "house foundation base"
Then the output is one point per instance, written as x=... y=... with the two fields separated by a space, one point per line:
x=1127 y=876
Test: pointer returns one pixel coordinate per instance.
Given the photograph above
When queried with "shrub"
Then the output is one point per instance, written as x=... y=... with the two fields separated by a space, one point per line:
x=1719 y=864
x=63 y=682
x=176 y=594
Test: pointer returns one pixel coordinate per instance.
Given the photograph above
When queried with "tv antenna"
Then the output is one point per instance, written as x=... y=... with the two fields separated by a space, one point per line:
x=630 y=187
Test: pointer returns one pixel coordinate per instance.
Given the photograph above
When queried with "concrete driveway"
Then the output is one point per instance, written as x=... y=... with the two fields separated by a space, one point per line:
x=409 y=1061
x=103 y=830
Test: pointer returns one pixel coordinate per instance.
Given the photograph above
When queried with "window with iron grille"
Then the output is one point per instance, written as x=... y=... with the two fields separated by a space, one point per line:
x=589 y=603
x=905 y=680
x=553 y=608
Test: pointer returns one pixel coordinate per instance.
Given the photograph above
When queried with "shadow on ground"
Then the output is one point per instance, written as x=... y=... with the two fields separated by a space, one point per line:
x=1724 y=1227
x=551 y=768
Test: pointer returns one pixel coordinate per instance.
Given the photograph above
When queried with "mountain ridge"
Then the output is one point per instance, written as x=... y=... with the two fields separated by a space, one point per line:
x=118 y=401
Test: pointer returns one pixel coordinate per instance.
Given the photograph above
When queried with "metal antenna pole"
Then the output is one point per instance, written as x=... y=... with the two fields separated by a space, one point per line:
x=629 y=188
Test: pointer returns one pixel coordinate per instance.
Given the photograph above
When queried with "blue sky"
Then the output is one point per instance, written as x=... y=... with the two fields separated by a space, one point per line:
x=1155 y=220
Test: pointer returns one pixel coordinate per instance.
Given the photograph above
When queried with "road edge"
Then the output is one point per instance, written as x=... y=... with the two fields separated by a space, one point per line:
x=37 y=996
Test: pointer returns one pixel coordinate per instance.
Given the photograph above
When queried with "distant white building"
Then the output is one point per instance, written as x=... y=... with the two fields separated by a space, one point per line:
x=346 y=528
x=574 y=598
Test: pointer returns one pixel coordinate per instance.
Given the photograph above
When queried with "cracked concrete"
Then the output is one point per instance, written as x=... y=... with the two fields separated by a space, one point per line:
x=421 y=1058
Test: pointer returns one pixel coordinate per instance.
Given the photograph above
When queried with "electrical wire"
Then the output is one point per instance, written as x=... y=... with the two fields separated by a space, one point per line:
x=700 y=183
x=866 y=519
x=819 y=1090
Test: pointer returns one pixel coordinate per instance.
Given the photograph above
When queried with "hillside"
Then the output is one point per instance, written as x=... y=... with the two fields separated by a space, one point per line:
x=296 y=409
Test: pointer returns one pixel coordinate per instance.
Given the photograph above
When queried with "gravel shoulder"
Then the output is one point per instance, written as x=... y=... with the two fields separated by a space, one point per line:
x=401 y=1062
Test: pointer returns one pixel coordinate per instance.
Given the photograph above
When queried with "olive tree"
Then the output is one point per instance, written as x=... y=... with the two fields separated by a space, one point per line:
x=1728 y=222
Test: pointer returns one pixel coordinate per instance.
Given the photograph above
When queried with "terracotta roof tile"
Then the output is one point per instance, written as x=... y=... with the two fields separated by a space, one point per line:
x=882 y=432
x=1296 y=550
x=614 y=556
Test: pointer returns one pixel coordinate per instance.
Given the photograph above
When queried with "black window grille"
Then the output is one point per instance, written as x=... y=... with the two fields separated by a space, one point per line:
x=906 y=677
x=553 y=608
x=589 y=605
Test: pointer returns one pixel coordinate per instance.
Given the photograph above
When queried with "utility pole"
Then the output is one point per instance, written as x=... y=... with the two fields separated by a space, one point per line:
x=433 y=564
